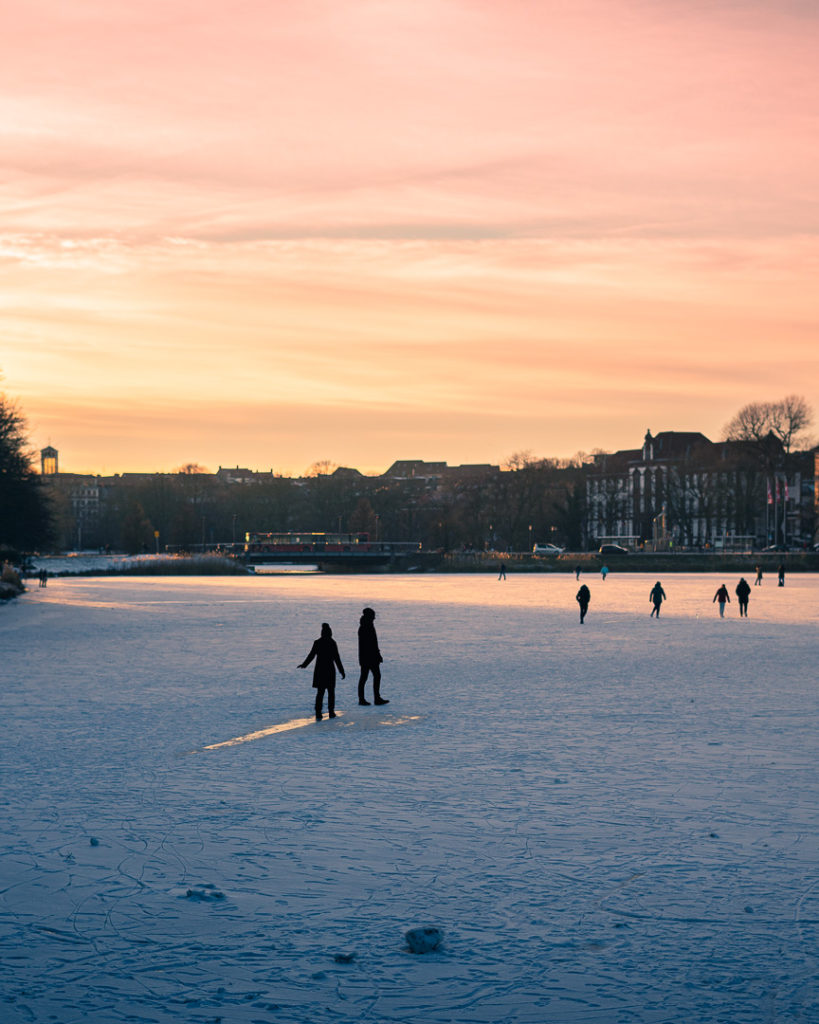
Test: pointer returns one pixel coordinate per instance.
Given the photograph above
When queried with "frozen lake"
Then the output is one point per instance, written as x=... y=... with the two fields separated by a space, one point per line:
x=613 y=823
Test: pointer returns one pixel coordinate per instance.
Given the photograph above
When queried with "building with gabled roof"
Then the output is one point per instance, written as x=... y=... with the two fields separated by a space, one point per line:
x=681 y=489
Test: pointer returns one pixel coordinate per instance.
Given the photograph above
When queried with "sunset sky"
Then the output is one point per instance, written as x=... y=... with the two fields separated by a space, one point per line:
x=269 y=234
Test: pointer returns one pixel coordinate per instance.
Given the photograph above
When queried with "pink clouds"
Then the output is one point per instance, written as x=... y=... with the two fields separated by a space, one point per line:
x=426 y=204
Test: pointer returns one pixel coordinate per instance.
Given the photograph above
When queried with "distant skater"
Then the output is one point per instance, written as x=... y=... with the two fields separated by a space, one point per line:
x=502 y=573
x=604 y=571
x=657 y=596
x=723 y=598
x=577 y=572
x=781 y=575
x=758 y=580
x=325 y=651
x=369 y=658
x=583 y=597
x=44 y=577
x=743 y=592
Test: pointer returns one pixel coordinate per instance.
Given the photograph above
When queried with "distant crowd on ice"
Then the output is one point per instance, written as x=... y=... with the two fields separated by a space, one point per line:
x=657 y=595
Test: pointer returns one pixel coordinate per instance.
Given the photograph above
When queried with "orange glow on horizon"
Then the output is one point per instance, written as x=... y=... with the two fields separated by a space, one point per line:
x=449 y=230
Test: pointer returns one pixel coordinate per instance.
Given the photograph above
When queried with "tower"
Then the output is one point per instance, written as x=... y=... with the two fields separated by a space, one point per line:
x=49 y=461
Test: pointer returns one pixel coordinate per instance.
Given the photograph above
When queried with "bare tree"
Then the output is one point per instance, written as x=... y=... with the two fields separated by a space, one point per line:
x=790 y=417
x=324 y=467
x=786 y=420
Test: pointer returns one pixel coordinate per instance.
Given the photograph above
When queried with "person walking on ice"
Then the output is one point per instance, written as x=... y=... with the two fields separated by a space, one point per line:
x=325 y=651
x=743 y=592
x=369 y=658
x=583 y=597
x=723 y=598
x=657 y=596
x=758 y=580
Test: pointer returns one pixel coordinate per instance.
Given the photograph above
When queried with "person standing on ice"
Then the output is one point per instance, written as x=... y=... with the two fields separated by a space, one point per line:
x=657 y=596
x=325 y=651
x=743 y=592
x=758 y=580
x=604 y=571
x=723 y=598
x=781 y=575
x=583 y=596
x=369 y=658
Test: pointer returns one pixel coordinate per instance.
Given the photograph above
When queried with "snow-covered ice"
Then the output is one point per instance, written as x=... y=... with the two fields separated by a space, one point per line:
x=613 y=823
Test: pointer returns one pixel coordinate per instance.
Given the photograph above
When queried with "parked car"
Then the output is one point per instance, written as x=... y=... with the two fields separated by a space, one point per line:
x=547 y=549
x=612 y=549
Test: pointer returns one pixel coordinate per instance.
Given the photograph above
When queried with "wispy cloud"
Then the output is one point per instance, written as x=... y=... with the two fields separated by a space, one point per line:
x=429 y=215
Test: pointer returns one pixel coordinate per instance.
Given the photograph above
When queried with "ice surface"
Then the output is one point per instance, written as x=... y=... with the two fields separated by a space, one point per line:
x=613 y=823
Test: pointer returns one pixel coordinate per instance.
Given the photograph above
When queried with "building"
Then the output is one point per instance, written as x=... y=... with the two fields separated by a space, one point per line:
x=679 y=489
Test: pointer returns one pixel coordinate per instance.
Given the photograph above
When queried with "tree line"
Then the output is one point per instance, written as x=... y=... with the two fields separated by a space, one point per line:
x=189 y=510
x=532 y=500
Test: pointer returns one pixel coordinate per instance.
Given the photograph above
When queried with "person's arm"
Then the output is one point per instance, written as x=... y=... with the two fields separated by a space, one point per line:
x=309 y=657
x=337 y=659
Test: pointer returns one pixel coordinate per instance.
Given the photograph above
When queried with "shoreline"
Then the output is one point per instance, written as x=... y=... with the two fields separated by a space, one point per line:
x=486 y=563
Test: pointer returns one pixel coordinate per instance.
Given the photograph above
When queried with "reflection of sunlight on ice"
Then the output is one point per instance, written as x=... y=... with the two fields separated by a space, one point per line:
x=298 y=723
x=295 y=723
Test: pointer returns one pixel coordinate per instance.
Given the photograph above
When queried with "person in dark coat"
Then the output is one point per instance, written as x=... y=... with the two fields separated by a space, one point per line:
x=657 y=596
x=781 y=575
x=723 y=598
x=583 y=596
x=743 y=592
x=369 y=658
x=758 y=580
x=325 y=651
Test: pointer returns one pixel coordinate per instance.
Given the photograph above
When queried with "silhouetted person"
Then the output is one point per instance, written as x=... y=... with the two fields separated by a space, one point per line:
x=743 y=592
x=657 y=596
x=325 y=651
x=369 y=657
x=44 y=577
x=781 y=575
x=758 y=580
x=577 y=572
x=723 y=598
x=583 y=596
x=502 y=573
